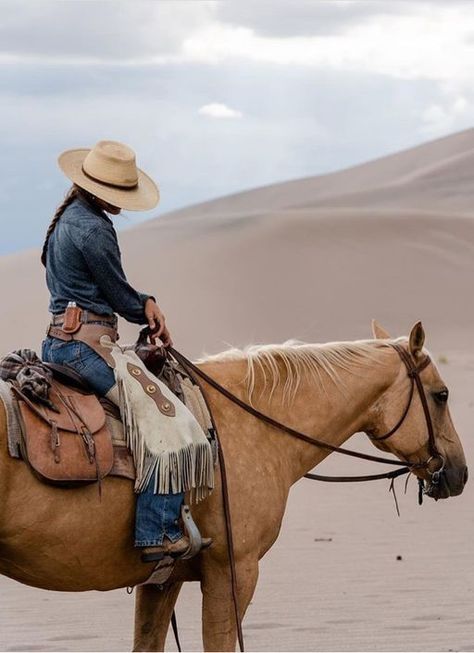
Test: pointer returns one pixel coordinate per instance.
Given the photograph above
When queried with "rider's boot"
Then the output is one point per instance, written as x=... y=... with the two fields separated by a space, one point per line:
x=172 y=549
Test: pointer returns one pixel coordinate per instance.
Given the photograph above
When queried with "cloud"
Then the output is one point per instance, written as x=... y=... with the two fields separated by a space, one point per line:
x=217 y=110
x=406 y=40
x=98 y=30
x=441 y=118
x=281 y=18
x=410 y=40
x=433 y=43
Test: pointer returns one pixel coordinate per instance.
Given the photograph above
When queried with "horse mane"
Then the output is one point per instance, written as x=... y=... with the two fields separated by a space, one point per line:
x=293 y=360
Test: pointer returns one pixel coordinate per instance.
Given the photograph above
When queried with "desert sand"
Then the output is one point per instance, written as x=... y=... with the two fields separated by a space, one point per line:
x=313 y=259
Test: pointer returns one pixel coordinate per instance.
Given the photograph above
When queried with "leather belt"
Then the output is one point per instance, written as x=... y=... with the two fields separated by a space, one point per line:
x=86 y=331
x=91 y=330
x=91 y=335
x=86 y=317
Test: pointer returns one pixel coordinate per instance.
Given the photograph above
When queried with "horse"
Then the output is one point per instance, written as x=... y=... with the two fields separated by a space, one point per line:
x=75 y=539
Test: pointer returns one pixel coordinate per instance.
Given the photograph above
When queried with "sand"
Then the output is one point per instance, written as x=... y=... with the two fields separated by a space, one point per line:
x=313 y=259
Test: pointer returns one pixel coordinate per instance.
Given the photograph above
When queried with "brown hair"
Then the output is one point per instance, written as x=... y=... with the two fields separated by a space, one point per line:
x=71 y=195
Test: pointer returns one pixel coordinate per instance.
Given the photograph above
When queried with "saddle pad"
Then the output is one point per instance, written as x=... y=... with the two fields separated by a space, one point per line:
x=73 y=446
x=13 y=419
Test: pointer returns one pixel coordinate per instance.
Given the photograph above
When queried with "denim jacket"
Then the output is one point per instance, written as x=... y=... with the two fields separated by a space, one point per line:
x=84 y=265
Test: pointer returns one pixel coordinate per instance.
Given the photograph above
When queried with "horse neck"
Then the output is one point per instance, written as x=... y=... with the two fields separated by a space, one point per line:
x=325 y=411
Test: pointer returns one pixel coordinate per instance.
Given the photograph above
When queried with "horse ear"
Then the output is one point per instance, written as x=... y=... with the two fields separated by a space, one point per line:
x=379 y=332
x=417 y=339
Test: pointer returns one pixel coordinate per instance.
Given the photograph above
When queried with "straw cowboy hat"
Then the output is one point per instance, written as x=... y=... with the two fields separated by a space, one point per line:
x=109 y=172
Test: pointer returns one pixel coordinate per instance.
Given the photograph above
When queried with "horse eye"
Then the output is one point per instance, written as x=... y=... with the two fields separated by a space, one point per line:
x=441 y=397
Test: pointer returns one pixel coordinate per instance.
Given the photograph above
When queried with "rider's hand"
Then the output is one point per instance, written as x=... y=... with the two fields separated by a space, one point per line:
x=157 y=323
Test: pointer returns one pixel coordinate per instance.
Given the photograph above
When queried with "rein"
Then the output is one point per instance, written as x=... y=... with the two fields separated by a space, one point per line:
x=413 y=373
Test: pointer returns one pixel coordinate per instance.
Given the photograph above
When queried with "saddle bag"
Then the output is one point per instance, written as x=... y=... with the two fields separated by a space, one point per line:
x=70 y=447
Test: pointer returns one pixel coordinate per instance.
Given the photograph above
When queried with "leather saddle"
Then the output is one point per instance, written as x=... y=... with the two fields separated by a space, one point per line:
x=72 y=446
x=84 y=441
x=69 y=377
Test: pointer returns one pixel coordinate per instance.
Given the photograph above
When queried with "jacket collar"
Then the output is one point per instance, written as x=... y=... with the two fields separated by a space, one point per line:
x=91 y=206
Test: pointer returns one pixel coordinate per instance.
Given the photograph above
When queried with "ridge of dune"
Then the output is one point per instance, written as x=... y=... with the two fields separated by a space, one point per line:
x=440 y=186
x=438 y=167
x=399 y=167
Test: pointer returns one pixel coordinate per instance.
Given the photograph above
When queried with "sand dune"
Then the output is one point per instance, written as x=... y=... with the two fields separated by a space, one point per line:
x=313 y=259
x=312 y=275
x=298 y=260
x=447 y=155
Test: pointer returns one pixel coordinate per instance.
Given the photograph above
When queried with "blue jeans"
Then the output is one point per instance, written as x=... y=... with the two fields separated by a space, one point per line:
x=156 y=515
x=82 y=359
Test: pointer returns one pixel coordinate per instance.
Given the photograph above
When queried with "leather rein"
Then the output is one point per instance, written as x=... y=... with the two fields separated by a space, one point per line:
x=413 y=371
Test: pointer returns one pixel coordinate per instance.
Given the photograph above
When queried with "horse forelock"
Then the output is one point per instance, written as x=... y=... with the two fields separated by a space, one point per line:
x=289 y=362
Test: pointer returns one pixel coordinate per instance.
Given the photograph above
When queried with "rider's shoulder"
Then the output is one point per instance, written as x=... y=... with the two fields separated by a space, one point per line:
x=83 y=216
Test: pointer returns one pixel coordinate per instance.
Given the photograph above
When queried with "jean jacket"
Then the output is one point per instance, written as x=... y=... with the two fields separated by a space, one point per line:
x=84 y=265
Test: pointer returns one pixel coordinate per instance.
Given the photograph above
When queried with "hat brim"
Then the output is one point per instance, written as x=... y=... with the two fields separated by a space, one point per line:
x=143 y=197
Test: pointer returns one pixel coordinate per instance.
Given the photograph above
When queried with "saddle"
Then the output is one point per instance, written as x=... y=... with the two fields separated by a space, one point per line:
x=69 y=447
x=74 y=437
x=80 y=439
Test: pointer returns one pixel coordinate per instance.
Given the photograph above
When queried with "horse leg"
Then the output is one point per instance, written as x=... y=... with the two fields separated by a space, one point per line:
x=153 y=610
x=219 y=629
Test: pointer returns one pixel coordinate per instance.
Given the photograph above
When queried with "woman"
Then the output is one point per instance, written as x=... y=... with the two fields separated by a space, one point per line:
x=84 y=270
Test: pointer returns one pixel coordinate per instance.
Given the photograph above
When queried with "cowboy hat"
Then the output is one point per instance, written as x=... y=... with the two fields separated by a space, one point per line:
x=109 y=172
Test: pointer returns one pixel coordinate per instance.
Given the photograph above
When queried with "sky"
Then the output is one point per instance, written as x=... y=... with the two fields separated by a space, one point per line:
x=217 y=97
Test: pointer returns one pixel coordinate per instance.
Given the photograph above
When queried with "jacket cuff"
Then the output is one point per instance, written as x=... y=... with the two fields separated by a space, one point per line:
x=144 y=297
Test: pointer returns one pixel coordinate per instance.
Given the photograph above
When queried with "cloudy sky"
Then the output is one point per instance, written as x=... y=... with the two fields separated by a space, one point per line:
x=220 y=96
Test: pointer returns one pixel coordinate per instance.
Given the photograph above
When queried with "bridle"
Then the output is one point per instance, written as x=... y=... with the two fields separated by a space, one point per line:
x=413 y=370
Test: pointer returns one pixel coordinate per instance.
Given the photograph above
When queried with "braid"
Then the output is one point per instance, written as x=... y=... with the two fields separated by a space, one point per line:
x=71 y=195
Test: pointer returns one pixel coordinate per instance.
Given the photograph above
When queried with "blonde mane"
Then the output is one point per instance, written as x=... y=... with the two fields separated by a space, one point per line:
x=293 y=360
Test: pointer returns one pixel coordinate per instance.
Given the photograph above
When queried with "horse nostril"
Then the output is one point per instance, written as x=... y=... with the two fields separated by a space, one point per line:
x=465 y=476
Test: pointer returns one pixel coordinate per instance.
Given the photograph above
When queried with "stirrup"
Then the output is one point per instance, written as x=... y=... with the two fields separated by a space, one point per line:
x=192 y=531
x=152 y=557
x=193 y=534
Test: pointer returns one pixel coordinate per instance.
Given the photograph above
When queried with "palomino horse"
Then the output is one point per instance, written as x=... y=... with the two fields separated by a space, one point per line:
x=74 y=540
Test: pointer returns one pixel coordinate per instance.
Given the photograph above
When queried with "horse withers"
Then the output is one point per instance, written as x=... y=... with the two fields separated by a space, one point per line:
x=75 y=540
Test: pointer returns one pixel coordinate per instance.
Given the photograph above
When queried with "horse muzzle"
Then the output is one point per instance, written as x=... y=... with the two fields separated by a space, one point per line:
x=447 y=483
